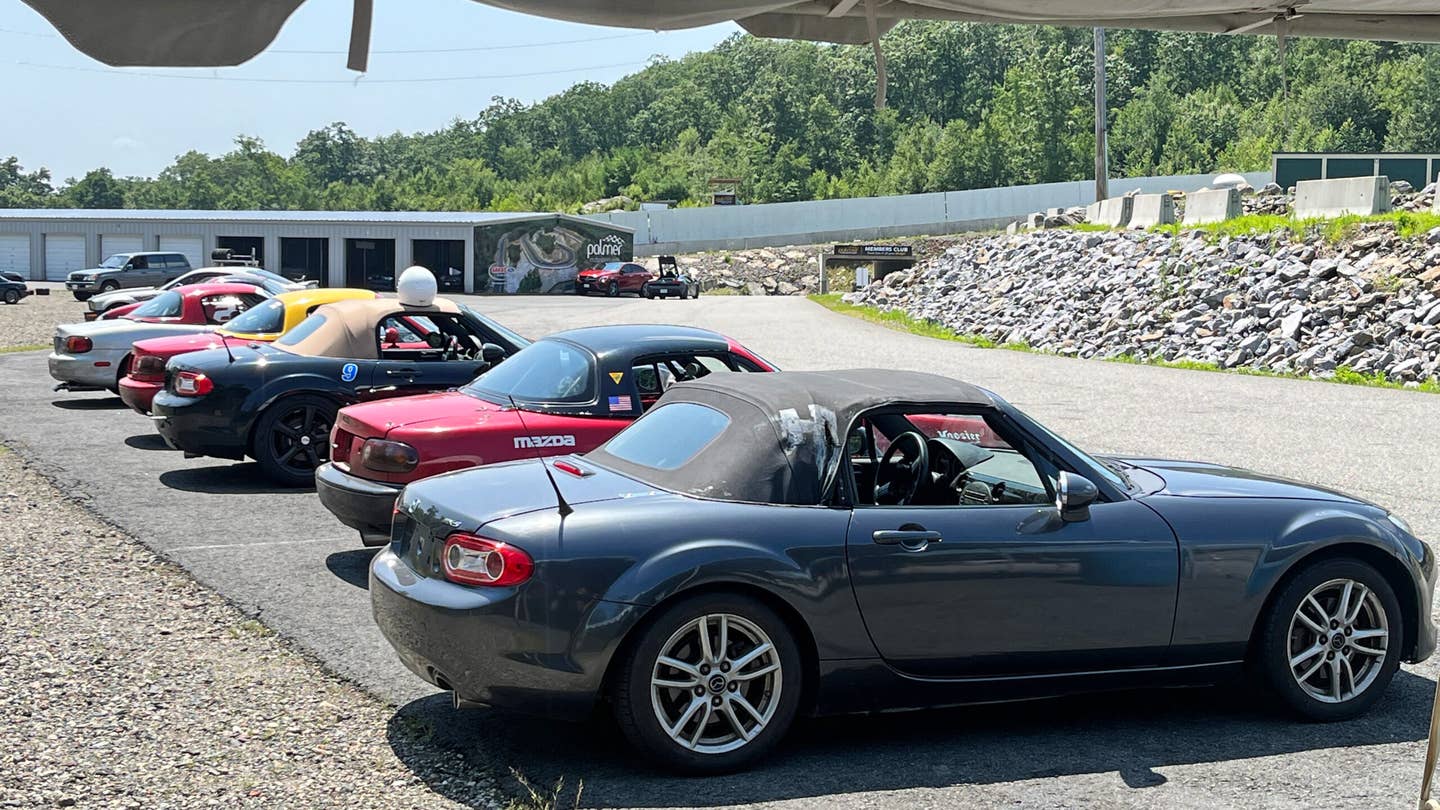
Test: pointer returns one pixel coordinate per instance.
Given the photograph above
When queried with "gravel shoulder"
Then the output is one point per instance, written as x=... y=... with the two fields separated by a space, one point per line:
x=31 y=323
x=124 y=683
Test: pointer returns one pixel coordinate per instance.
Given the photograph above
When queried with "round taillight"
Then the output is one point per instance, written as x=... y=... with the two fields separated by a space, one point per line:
x=471 y=560
x=388 y=456
x=76 y=344
x=149 y=364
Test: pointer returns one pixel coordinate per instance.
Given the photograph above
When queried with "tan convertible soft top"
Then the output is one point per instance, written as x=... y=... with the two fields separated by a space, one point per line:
x=350 y=327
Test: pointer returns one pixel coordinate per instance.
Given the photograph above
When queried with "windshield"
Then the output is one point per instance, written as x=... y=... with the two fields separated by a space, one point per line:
x=545 y=371
x=1110 y=471
x=118 y=260
x=164 y=305
x=265 y=318
x=514 y=338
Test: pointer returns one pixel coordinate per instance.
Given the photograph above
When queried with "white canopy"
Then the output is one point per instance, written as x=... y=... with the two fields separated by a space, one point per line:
x=228 y=32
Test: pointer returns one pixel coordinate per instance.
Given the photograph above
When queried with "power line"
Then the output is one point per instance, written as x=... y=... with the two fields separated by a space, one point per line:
x=357 y=81
x=415 y=51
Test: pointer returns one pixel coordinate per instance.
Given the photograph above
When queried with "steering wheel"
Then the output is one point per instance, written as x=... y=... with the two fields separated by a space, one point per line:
x=888 y=477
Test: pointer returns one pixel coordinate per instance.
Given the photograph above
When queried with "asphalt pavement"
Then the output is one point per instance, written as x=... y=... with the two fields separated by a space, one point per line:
x=279 y=554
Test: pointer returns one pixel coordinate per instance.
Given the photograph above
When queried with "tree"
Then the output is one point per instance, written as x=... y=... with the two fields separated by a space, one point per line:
x=97 y=189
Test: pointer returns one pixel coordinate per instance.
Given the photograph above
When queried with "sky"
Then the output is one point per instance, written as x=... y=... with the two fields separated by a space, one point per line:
x=70 y=113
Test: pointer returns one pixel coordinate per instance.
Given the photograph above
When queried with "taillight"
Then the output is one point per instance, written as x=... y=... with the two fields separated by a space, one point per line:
x=149 y=365
x=193 y=384
x=78 y=345
x=471 y=560
x=387 y=456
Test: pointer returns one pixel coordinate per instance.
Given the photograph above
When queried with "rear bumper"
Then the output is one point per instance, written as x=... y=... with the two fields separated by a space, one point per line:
x=479 y=643
x=667 y=290
x=187 y=424
x=79 y=371
x=363 y=505
x=138 y=394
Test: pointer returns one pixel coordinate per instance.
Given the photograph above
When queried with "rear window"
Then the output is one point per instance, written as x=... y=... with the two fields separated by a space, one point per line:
x=305 y=329
x=164 y=305
x=545 y=371
x=265 y=318
x=669 y=436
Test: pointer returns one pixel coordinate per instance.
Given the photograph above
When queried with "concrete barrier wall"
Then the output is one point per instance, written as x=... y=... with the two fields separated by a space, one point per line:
x=682 y=230
x=1149 y=210
x=1341 y=196
x=1212 y=205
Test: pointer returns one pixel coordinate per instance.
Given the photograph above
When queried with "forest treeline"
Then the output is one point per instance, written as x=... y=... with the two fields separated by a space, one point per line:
x=970 y=106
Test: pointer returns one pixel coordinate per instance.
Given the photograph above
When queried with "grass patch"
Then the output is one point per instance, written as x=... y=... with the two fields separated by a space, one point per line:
x=541 y=799
x=28 y=347
x=1089 y=227
x=895 y=319
x=722 y=290
x=250 y=628
x=1408 y=224
x=900 y=321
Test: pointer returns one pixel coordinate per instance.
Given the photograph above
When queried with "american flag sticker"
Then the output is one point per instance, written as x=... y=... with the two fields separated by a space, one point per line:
x=620 y=403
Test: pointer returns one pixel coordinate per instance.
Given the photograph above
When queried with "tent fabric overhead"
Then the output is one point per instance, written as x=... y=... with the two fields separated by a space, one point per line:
x=206 y=33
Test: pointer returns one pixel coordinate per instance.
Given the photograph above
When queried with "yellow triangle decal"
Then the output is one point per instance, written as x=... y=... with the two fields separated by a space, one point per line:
x=617 y=376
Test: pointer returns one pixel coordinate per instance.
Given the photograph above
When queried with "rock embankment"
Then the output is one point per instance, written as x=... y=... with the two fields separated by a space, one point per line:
x=1370 y=304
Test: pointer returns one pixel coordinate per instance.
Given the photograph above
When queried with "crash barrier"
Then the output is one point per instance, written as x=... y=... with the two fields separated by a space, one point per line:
x=1211 y=205
x=736 y=227
x=1149 y=210
x=1115 y=212
x=1341 y=196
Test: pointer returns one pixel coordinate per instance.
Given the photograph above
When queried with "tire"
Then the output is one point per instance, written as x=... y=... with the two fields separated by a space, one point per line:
x=12 y=296
x=613 y=290
x=695 y=291
x=83 y=296
x=649 y=296
x=109 y=286
x=1287 y=631
x=305 y=415
x=674 y=632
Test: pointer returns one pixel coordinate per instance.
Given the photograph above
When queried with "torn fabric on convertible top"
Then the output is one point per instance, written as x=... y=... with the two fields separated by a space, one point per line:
x=786 y=430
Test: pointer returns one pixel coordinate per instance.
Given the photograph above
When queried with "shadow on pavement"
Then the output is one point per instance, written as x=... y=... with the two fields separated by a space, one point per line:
x=353 y=566
x=147 y=441
x=230 y=479
x=102 y=404
x=1127 y=733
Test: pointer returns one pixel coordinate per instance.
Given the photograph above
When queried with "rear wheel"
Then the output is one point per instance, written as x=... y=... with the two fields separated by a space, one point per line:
x=712 y=686
x=695 y=290
x=12 y=296
x=1331 y=641
x=291 y=438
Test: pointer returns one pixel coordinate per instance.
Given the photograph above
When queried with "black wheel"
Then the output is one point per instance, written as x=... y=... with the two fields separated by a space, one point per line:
x=83 y=296
x=695 y=291
x=292 y=437
x=12 y=296
x=712 y=685
x=1330 y=642
x=109 y=286
x=613 y=290
x=649 y=295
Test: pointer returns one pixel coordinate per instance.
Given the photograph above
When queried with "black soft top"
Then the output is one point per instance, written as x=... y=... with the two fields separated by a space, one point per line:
x=786 y=429
x=616 y=346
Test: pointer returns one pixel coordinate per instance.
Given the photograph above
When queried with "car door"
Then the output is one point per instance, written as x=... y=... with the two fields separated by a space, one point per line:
x=979 y=589
x=410 y=364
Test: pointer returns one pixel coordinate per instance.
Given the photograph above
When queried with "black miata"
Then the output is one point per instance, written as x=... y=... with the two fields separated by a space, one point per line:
x=758 y=546
x=276 y=402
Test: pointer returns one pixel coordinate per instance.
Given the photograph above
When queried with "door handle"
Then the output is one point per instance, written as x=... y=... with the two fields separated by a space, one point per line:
x=400 y=372
x=905 y=537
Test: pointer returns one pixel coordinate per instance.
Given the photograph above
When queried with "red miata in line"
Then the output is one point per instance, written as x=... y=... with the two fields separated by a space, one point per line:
x=566 y=393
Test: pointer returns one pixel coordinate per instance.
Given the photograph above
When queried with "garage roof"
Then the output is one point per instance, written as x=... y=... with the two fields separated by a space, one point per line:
x=228 y=32
x=329 y=217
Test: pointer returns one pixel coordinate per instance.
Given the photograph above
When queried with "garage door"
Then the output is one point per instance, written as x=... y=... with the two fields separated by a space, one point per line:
x=15 y=253
x=112 y=243
x=63 y=253
x=192 y=246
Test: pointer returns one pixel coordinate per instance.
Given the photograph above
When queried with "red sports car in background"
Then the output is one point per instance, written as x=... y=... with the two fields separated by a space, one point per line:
x=567 y=393
x=613 y=278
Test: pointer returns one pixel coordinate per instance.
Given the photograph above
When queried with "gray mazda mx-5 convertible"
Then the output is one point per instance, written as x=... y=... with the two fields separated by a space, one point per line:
x=763 y=545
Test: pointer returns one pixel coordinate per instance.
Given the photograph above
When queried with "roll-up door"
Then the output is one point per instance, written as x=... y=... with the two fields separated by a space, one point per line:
x=112 y=243
x=15 y=253
x=63 y=254
x=192 y=246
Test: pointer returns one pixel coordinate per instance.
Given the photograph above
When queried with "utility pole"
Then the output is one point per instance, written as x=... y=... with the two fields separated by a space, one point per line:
x=1102 y=162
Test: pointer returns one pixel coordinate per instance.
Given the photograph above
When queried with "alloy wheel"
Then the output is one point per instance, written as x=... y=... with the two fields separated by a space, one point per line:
x=1338 y=640
x=300 y=437
x=716 y=683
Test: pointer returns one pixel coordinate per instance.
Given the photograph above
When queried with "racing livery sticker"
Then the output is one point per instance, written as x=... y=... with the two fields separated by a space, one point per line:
x=348 y=372
x=522 y=442
x=617 y=376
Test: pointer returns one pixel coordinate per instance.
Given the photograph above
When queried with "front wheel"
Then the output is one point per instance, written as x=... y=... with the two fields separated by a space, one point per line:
x=1331 y=641
x=613 y=290
x=109 y=286
x=83 y=296
x=291 y=438
x=712 y=685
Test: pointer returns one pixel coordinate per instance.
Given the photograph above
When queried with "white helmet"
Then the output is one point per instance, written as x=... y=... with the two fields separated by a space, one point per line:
x=416 y=287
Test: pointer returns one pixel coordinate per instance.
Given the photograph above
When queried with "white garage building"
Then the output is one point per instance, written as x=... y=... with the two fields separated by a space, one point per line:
x=337 y=248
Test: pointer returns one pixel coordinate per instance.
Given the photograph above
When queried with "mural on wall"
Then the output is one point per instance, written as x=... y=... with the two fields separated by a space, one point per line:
x=543 y=256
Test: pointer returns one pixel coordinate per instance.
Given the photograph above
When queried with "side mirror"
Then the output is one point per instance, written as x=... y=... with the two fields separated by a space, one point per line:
x=1076 y=494
x=492 y=353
